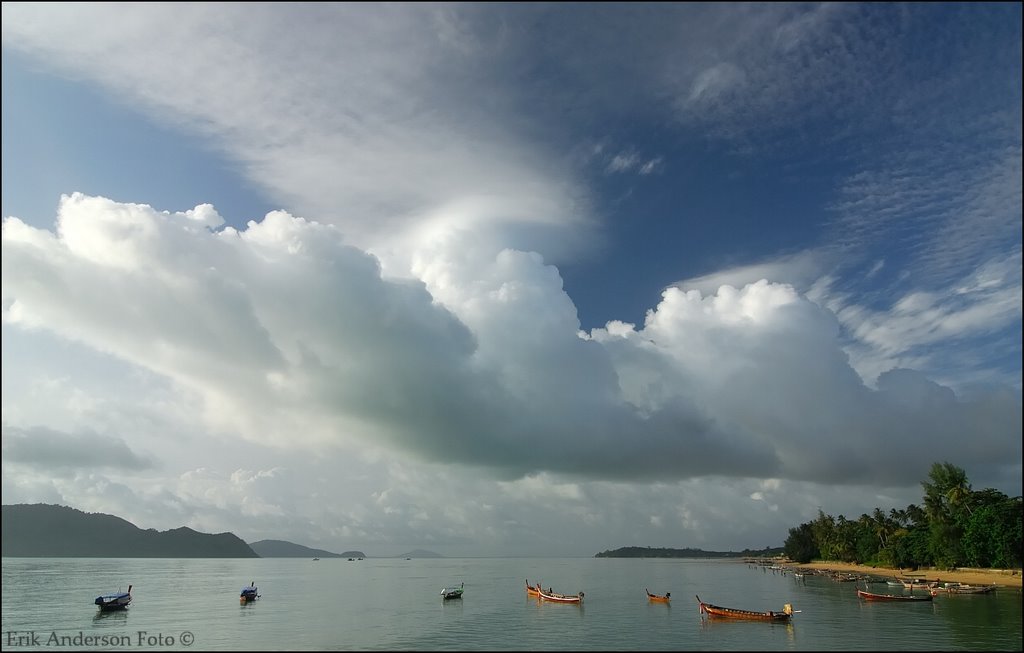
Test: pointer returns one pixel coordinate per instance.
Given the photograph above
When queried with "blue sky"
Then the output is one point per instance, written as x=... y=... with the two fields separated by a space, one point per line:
x=625 y=274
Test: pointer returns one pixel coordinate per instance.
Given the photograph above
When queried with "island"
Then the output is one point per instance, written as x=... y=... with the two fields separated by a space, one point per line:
x=284 y=549
x=654 y=552
x=420 y=553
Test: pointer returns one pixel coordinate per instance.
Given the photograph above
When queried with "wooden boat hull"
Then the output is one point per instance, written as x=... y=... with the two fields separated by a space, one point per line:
x=654 y=598
x=452 y=592
x=968 y=589
x=748 y=615
x=560 y=598
x=248 y=594
x=112 y=602
x=871 y=596
x=532 y=590
x=117 y=601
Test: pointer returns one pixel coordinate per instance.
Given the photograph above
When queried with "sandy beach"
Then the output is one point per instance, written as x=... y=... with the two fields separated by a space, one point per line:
x=1001 y=577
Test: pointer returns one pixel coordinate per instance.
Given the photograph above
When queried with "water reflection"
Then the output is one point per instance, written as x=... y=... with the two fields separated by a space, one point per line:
x=111 y=618
x=393 y=611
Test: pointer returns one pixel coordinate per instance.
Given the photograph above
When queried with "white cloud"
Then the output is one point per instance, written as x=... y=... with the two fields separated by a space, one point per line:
x=288 y=337
x=415 y=312
x=630 y=161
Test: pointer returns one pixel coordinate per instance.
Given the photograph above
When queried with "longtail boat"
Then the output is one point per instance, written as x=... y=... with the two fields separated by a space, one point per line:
x=961 y=588
x=732 y=613
x=532 y=590
x=555 y=597
x=453 y=592
x=117 y=601
x=658 y=599
x=249 y=594
x=871 y=596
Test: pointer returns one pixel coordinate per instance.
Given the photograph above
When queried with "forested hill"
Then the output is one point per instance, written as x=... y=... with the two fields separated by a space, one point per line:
x=650 y=552
x=283 y=549
x=44 y=531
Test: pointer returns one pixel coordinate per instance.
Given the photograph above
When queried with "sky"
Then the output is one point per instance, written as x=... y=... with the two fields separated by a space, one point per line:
x=508 y=279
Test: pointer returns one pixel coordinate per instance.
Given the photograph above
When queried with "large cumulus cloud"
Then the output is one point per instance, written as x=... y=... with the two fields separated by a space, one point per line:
x=289 y=336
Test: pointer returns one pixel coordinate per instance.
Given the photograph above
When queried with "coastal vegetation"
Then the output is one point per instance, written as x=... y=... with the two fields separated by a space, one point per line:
x=955 y=527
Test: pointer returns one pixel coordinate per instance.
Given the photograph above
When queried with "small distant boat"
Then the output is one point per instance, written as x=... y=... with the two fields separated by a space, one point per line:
x=532 y=590
x=118 y=601
x=963 y=588
x=249 y=594
x=555 y=597
x=872 y=596
x=920 y=584
x=315 y=559
x=453 y=592
x=658 y=599
x=733 y=613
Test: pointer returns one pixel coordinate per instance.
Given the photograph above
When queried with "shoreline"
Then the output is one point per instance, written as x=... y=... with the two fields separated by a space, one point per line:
x=1010 y=578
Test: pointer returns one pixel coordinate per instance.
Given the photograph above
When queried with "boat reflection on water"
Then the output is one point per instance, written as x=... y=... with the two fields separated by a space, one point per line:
x=113 y=618
x=707 y=624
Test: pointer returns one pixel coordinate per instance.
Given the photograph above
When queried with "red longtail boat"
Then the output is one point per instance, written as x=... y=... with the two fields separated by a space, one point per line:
x=732 y=613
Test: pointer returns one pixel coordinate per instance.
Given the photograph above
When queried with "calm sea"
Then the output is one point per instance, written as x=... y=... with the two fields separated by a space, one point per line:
x=395 y=604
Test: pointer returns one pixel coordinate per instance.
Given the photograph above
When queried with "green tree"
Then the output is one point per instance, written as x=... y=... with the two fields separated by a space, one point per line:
x=916 y=515
x=824 y=529
x=800 y=546
x=992 y=534
x=846 y=540
x=866 y=543
x=883 y=527
x=908 y=548
x=945 y=516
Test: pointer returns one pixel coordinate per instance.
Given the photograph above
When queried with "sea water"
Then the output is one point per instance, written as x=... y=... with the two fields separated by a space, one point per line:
x=395 y=604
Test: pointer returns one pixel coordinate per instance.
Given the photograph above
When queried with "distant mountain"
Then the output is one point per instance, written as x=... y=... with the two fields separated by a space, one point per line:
x=41 y=530
x=420 y=553
x=283 y=549
x=649 y=552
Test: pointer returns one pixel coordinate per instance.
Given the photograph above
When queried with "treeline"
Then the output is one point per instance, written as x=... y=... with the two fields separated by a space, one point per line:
x=649 y=552
x=956 y=527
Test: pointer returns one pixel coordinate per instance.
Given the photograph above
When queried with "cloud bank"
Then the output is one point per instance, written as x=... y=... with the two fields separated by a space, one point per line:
x=290 y=337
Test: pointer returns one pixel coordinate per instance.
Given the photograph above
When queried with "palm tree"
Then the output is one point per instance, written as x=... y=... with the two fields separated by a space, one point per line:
x=901 y=517
x=959 y=495
x=883 y=527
